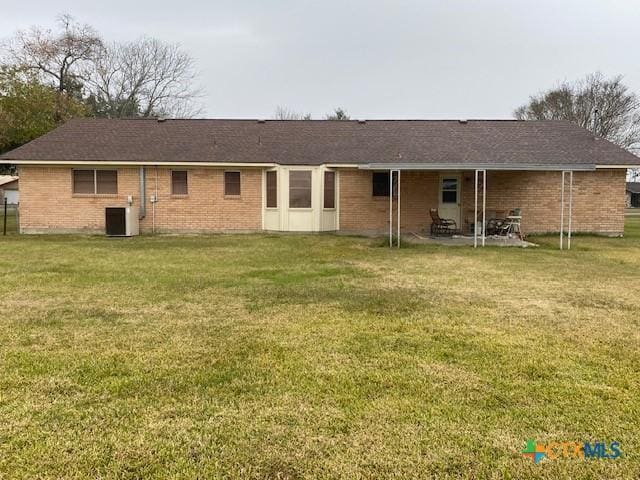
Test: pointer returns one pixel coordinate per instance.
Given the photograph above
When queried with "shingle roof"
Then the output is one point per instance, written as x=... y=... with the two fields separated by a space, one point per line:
x=633 y=187
x=476 y=142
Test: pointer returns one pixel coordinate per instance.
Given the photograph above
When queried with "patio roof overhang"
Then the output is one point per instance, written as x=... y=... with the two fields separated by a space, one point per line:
x=481 y=173
x=473 y=167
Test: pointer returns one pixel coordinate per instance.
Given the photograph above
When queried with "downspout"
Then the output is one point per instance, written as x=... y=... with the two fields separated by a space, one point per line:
x=143 y=199
x=155 y=200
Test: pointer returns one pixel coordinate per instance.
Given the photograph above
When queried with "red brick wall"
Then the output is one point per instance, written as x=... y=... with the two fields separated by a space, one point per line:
x=598 y=201
x=47 y=203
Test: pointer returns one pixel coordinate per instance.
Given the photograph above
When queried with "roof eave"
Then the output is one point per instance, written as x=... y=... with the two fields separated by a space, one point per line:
x=62 y=163
x=466 y=166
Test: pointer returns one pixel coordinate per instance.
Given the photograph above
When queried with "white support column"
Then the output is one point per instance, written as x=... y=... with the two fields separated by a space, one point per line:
x=475 y=213
x=570 y=208
x=390 y=208
x=484 y=204
x=562 y=212
x=398 y=208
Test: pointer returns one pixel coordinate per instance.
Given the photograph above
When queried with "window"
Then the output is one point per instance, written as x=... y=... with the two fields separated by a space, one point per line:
x=329 y=189
x=84 y=181
x=449 y=190
x=381 y=184
x=179 y=185
x=272 y=189
x=91 y=182
x=232 y=183
x=300 y=189
x=106 y=182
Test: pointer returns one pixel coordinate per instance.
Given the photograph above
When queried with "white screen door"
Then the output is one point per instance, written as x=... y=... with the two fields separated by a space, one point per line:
x=449 y=198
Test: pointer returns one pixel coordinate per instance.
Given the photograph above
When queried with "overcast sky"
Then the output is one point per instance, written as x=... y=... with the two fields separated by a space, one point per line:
x=377 y=59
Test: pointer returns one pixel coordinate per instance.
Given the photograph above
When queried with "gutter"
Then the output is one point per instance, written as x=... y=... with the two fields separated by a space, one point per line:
x=143 y=201
x=368 y=166
x=93 y=163
x=618 y=166
x=463 y=166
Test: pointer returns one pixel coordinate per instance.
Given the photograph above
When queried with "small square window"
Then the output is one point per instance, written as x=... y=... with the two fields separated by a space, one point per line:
x=179 y=182
x=381 y=184
x=232 y=183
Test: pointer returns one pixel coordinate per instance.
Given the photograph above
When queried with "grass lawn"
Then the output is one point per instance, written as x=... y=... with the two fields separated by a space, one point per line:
x=266 y=356
x=12 y=225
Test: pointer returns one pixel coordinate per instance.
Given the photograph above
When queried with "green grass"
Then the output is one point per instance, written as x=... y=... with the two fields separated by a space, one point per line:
x=266 y=356
x=12 y=224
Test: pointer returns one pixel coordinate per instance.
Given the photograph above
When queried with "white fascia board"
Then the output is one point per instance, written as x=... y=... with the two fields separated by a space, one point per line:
x=63 y=163
x=453 y=166
x=618 y=166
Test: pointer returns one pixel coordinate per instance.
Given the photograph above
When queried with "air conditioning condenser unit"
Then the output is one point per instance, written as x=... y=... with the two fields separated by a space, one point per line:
x=121 y=221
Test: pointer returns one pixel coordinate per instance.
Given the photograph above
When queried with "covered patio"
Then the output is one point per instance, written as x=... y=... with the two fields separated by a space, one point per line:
x=473 y=199
x=466 y=240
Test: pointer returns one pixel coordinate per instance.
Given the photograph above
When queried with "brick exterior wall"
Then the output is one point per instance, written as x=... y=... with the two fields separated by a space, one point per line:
x=48 y=204
x=361 y=212
x=598 y=200
x=205 y=208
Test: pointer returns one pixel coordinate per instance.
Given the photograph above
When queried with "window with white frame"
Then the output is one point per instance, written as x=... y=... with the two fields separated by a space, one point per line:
x=300 y=189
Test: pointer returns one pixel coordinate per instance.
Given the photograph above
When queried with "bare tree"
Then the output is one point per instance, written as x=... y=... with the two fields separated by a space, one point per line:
x=604 y=106
x=144 y=78
x=338 y=114
x=58 y=57
x=284 y=113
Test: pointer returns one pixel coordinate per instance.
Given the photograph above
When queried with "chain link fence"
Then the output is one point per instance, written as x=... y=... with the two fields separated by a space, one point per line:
x=9 y=218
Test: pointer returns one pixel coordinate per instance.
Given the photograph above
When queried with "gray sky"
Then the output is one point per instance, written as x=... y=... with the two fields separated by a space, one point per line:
x=375 y=58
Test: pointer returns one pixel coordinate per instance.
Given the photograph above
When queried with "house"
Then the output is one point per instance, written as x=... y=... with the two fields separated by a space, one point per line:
x=633 y=195
x=9 y=189
x=311 y=176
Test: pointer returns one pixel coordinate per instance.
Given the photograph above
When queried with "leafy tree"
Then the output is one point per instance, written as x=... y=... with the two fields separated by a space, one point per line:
x=29 y=108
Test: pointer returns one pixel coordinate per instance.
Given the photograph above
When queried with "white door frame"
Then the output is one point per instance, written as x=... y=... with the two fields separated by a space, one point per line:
x=451 y=210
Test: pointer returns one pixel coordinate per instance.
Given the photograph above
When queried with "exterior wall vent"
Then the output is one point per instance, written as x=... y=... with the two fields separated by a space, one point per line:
x=463 y=121
x=362 y=121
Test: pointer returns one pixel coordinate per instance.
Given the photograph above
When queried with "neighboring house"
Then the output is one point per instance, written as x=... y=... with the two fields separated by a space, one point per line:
x=310 y=176
x=9 y=189
x=633 y=195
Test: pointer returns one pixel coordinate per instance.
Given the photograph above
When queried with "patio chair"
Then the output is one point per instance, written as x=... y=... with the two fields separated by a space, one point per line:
x=512 y=224
x=441 y=226
x=494 y=226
